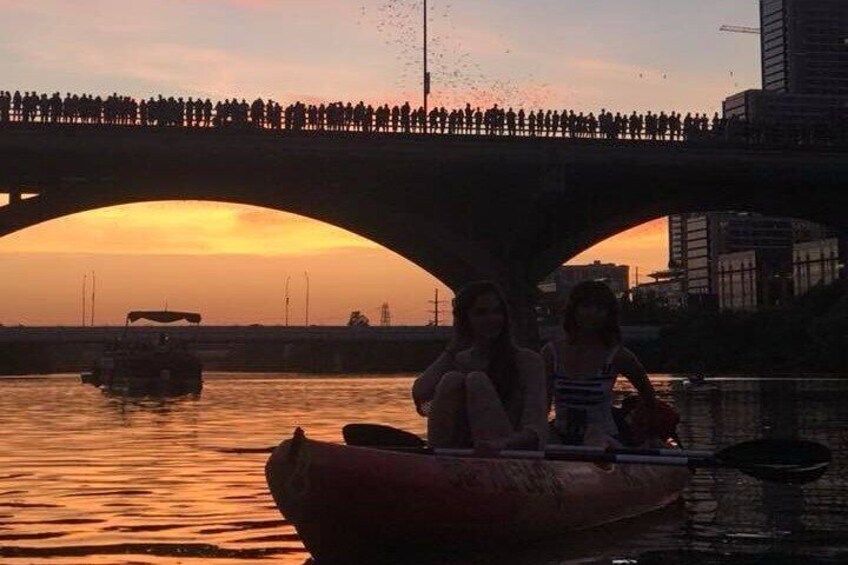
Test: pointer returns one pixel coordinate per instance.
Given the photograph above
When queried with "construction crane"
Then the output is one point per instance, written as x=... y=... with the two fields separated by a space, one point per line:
x=741 y=29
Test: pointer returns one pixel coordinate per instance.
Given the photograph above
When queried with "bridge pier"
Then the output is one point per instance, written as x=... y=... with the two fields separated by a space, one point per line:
x=522 y=298
x=15 y=197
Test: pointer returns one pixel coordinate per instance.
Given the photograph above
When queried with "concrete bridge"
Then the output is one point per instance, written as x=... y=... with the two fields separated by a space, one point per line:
x=34 y=350
x=462 y=208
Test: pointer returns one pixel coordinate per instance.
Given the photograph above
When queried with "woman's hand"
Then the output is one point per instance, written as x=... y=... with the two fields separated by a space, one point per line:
x=424 y=387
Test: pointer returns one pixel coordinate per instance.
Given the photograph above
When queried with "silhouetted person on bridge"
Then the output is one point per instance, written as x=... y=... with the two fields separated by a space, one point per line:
x=662 y=124
x=5 y=106
x=31 y=107
x=405 y=117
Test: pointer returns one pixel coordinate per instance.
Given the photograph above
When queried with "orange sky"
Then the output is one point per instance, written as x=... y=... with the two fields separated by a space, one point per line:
x=231 y=263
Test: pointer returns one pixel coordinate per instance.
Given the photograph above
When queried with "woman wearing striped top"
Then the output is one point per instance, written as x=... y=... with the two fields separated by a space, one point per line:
x=583 y=367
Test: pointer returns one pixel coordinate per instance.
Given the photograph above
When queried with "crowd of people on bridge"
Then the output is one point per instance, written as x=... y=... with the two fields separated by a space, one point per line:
x=32 y=107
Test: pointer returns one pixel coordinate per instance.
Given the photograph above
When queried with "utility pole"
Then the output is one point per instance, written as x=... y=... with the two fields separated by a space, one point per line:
x=288 y=280
x=306 y=274
x=84 y=280
x=426 y=72
x=436 y=311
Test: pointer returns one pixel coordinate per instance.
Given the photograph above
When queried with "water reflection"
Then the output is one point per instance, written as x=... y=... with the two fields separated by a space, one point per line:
x=93 y=478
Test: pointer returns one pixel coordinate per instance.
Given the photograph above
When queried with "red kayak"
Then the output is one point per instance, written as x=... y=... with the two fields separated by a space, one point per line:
x=363 y=505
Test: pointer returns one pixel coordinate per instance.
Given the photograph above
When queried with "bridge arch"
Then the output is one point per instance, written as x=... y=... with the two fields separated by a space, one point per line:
x=462 y=209
x=49 y=206
x=615 y=212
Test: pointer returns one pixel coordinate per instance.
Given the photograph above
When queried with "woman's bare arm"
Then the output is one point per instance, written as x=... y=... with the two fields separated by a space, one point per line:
x=629 y=366
x=424 y=387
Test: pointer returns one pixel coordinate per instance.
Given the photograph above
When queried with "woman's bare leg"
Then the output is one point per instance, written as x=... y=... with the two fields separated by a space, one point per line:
x=486 y=415
x=447 y=424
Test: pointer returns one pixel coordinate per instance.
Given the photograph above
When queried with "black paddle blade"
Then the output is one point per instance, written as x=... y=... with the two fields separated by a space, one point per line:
x=778 y=460
x=378 y=435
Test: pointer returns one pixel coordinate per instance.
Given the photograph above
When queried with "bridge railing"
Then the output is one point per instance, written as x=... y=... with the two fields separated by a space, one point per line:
x=115 y=110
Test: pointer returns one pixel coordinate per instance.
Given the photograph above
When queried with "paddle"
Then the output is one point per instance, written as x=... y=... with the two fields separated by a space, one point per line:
x=378 y=435
x=785 y=461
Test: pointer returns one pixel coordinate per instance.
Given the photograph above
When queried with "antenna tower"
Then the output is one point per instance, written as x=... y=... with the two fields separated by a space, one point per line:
x=385 y=315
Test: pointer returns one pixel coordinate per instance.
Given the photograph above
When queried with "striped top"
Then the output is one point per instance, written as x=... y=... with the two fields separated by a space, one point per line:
x=585 y=400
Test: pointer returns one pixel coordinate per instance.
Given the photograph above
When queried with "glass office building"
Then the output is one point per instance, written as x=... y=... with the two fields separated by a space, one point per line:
x=805 y=46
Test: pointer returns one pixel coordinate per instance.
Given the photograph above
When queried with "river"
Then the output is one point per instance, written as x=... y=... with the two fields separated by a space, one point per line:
x=87 y=478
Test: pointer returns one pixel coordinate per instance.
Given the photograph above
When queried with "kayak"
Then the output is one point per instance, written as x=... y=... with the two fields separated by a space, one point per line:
x=364 y=504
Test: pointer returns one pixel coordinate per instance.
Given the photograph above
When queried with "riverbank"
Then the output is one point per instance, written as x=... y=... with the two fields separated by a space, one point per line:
x=809 y=335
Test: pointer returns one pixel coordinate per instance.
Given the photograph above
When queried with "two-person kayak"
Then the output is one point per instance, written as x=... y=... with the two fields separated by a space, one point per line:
x=361 y=504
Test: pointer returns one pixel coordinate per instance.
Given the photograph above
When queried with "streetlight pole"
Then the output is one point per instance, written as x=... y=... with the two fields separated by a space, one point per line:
x=306 y=274
x=426 y=72
x=93 y=296
x=288 y=279
x=84 y=280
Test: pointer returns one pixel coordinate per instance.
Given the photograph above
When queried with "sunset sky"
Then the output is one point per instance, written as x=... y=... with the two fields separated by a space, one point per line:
x=232 y=262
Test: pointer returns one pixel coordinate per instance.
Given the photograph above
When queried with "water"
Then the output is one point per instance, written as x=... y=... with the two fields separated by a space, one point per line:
x=90 y=479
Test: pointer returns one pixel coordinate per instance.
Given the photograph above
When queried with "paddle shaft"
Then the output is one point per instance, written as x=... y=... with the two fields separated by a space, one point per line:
x=781 y=460
x=662 y=452
x=590 y=456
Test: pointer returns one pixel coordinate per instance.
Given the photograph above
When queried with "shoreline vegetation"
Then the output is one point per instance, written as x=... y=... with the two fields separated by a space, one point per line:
x=808 y=335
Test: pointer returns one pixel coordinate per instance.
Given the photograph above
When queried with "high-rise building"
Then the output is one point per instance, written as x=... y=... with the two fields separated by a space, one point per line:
x=704 y=237
x=676 y=240
x=804 y=66
x=805 y=46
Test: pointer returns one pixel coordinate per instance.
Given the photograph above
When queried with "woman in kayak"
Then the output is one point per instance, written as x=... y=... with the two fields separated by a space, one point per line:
x=582 y=369
x=483 y=391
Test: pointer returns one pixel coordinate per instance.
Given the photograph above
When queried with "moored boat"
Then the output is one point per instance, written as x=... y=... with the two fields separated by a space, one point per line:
x=131 y=366
x=362 y=505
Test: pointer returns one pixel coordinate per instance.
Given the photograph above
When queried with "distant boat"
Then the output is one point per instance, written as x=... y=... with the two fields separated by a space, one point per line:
x=139 y=367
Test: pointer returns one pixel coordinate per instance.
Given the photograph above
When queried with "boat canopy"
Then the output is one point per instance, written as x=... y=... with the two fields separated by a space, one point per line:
x=164 y=317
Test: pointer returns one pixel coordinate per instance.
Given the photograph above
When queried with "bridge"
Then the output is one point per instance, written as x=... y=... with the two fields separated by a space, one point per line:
x=32 y=350
x=462 y=207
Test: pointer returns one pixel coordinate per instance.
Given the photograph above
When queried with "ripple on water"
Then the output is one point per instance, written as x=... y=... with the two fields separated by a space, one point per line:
x=144 y=480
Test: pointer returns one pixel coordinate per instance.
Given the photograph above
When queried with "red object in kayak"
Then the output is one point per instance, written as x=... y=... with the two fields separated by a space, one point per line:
x=363 y=505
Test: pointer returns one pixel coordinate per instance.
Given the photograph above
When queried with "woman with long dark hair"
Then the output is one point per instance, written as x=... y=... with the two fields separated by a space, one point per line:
x=483 y=391
x=582 y=368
